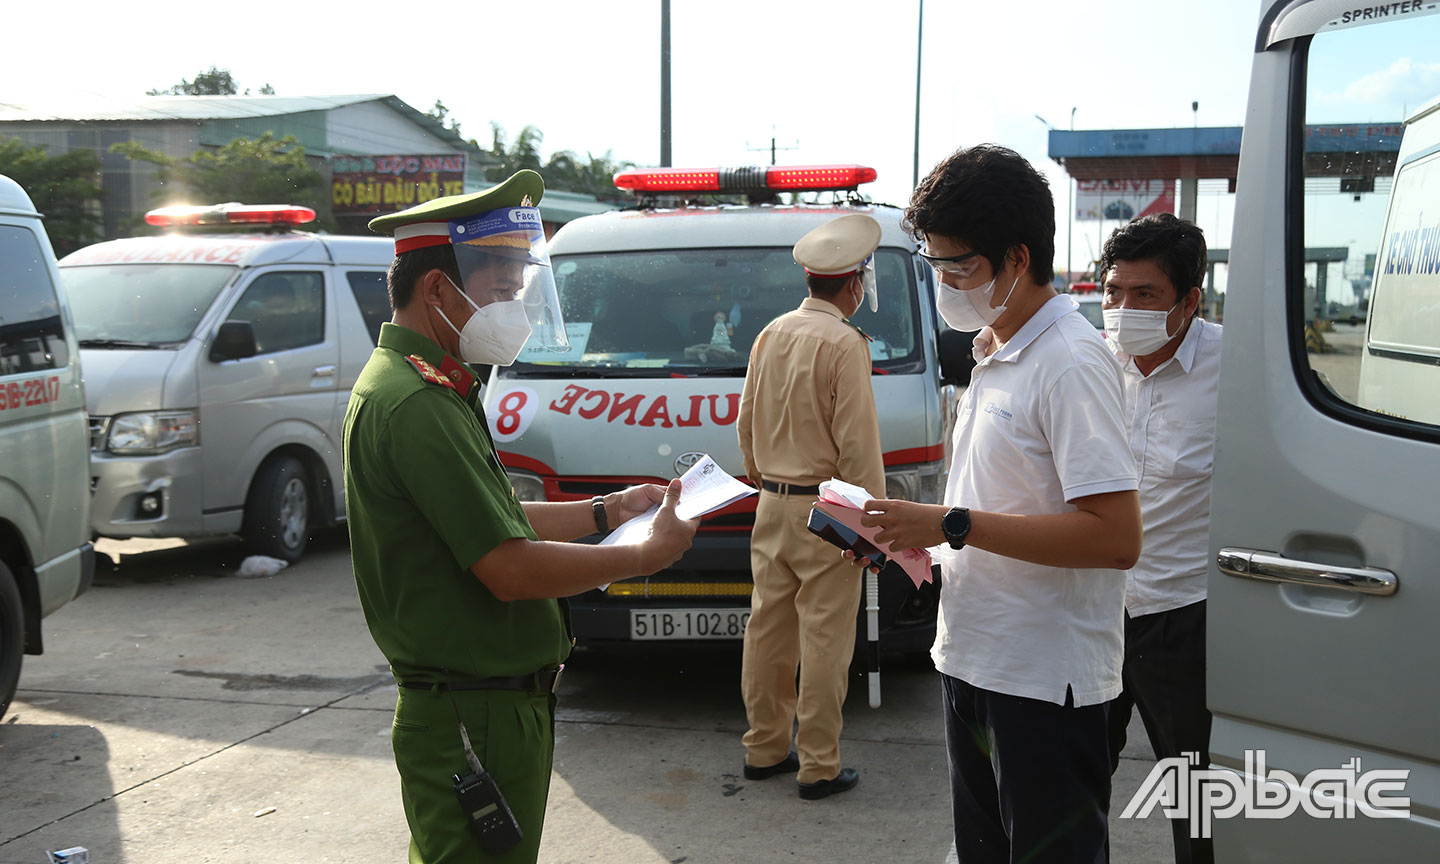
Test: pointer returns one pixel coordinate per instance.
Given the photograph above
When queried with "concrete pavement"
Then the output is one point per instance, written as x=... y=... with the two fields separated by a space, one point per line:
x=176 y=701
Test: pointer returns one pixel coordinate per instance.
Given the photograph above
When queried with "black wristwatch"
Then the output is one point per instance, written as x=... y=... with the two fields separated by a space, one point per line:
x=956 y=526
x=602 y=522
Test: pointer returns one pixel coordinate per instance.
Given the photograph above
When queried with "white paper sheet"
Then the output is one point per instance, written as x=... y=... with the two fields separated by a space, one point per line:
x=705 y=488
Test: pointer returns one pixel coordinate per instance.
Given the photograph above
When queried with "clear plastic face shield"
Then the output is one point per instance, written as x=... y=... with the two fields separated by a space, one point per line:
x=502 y=256
x=867 y=280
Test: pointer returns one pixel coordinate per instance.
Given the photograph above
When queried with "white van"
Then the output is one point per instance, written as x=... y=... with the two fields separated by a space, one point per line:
x=217 y=370
x=46 y=559
x=662 y=304
x=1400 y=367
x=1324 y=596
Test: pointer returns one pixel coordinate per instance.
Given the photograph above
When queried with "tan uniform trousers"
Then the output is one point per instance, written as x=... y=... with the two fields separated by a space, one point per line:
x=802 y=612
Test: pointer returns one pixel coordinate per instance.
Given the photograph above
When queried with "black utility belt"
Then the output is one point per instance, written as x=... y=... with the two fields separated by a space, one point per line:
x=788 y=488
x=543 y=681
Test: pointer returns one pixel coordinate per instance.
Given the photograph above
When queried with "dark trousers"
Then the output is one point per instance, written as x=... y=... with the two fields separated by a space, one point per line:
x=1029 y=779
x=1165 y=678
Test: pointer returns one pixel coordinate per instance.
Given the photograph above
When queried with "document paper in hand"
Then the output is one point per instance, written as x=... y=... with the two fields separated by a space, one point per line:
x=705 y=488
x=845 y=501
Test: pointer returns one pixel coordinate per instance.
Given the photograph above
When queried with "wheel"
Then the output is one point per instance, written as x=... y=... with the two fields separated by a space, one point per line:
x=277 y=513
x=12 y=637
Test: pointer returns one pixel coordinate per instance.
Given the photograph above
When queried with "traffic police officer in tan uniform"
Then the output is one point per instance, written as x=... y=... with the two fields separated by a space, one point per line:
x=807 y=413
x=458 y=579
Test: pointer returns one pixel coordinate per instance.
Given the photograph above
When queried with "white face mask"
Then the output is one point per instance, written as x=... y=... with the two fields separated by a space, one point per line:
x=1138 y=332
x=970 y=310
x=494 y=334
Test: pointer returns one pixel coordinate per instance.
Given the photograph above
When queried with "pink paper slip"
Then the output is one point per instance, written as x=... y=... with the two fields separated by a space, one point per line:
x=915 y=562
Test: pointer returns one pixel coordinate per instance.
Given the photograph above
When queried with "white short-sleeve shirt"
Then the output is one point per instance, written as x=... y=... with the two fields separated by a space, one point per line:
x=1171 y=417
x=1041 y=424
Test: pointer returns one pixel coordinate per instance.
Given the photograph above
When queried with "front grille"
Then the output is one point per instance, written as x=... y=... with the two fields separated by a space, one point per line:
x=99 y=427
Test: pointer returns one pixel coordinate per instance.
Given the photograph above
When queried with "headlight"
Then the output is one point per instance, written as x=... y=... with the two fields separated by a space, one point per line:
x=921 y=482
x=153 y=431
x=528 y=487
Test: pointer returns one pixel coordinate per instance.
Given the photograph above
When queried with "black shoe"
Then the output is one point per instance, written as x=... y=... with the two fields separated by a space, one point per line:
x=844 y=781
x=789 y=765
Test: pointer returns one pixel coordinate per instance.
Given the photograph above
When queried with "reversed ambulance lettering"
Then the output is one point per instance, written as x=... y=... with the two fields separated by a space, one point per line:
x=640 y=409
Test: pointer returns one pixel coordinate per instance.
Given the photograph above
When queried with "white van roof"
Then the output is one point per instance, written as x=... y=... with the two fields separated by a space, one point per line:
x=240 y=250
x=13 y=200
x=714 y=227
x=1428 y=108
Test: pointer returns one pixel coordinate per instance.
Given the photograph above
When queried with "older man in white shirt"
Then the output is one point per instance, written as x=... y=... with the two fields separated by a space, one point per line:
x=1170 y=362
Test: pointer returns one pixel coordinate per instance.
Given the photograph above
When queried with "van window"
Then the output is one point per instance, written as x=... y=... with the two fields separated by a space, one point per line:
x=141 y=305
x=372 y=297
x=32 y=335
x=1367 y=294
x=697 y=311
x=286 y=310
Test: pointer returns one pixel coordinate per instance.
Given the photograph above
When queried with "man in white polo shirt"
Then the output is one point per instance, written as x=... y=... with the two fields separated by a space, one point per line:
x=1152 y=270
x=1040 y=520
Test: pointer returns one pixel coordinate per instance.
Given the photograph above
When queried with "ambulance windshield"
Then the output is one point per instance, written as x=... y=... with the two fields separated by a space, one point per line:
x=697 y=311
x=140 y=305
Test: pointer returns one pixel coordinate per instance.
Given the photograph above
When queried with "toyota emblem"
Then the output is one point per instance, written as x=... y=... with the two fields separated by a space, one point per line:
x=684 y=461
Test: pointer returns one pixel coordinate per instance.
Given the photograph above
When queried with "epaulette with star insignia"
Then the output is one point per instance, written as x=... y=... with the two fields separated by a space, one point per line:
x=428 y=372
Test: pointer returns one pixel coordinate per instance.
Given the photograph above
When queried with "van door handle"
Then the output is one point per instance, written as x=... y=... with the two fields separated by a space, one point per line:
x=327 y=371
x=1269 y=567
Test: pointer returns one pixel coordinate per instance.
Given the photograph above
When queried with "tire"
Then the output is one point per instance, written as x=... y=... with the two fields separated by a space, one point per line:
x=277 y=513
x=12 y=637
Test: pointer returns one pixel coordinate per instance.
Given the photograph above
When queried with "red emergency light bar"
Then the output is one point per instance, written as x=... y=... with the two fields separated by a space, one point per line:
x=1084 y=287
x=229 y=214
x=789 y=178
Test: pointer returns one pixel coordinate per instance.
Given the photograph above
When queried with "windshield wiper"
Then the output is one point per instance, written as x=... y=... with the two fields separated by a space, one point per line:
x=115 y=343
x=719 y=372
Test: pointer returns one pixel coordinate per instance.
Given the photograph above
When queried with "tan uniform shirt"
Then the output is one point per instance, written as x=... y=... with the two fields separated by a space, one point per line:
x=807 y=412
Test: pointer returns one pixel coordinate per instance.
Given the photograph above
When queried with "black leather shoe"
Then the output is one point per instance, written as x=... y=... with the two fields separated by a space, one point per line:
x=843 y=782
x=789 y=765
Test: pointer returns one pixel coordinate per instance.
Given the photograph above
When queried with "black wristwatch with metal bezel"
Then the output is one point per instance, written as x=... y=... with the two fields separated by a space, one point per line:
x=956 y=526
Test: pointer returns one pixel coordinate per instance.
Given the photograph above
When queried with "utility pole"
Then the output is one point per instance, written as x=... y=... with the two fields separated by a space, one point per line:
x=664 y=83
x=919 y=44
x=1069 y=201
x=772 y=147
x=1069 y=209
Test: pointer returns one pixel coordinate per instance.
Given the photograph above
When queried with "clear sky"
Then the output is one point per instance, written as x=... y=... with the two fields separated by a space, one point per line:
x=835 y=81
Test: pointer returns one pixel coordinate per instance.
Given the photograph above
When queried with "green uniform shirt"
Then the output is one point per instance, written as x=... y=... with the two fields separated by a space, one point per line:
x=426 y=498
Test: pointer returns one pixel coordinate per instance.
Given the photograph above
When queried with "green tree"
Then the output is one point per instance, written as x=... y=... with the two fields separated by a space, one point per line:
x=264 y=170
x=440 y=113
x=212 y=82
x=65 y=188
x=524 y=153
x=590 y=174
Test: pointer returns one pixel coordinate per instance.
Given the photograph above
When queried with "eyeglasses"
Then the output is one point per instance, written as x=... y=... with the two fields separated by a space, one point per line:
x=954 y=265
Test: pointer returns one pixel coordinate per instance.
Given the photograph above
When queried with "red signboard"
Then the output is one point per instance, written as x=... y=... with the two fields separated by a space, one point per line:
x=385 y=184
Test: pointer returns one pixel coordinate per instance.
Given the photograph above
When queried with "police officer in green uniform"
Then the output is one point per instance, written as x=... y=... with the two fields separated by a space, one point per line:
x=459 y=581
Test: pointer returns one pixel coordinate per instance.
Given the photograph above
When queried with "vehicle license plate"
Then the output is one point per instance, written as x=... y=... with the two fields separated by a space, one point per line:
x=688 y=623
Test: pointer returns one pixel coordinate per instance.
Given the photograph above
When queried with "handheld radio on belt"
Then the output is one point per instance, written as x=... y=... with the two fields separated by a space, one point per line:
x=480 y=798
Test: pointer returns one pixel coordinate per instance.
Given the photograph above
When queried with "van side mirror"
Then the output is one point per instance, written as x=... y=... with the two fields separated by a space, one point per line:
x=233 y=341
x=956 y=358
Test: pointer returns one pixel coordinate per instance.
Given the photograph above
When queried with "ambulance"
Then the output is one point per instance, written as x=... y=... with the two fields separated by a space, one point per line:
x=218 y=359
x=46 y=557
x=662 y=303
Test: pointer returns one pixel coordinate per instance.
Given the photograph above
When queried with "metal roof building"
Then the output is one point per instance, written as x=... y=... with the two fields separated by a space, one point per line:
x=327 y=127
